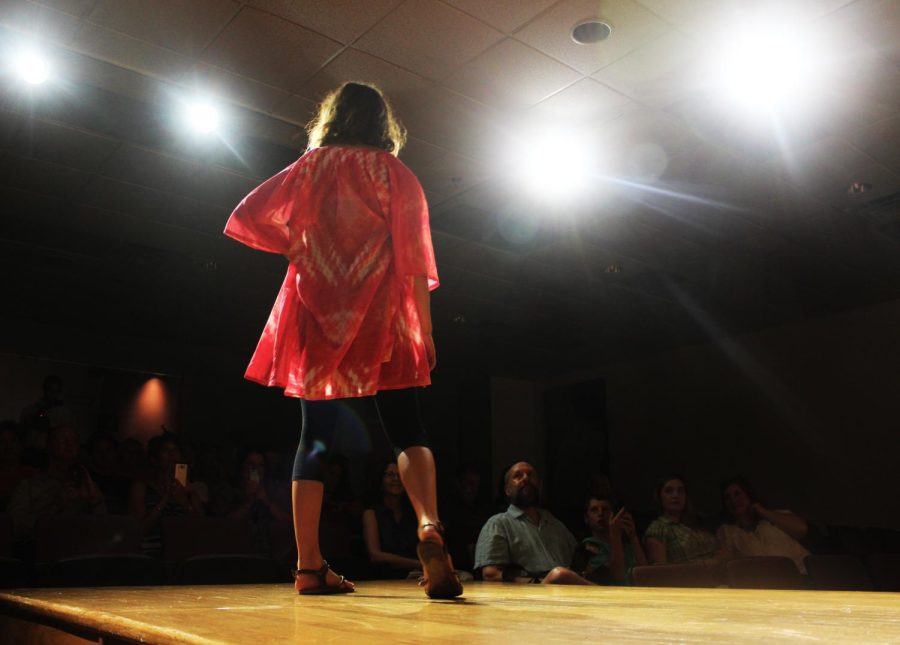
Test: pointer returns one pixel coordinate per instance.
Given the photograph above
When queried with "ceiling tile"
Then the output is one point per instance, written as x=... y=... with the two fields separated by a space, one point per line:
x=512 y=76
x=351 y=64
x=873 y=22
x=186 y=26
x=417 y=154
x=43 y=23
x=129 y=52
x=880 y=141
x=341 y=20
x=74 y=7
x=505 y=16
x=448 y=120
x=429 y=38
x=453 y=174
x=56 y=144
x=827 y=168
x=291 y=53
x=144 y=167
x=40 y=176
x=586 y=102
x=233 y=88
x=632 y=26
x=656 y=73
x=297 y=110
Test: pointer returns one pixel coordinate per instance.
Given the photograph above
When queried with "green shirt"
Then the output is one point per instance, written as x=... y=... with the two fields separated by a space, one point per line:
x=599 y=554
x=513 y=539
x=683 y=543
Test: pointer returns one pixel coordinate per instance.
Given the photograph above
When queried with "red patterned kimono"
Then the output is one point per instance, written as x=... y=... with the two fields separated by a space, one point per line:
x=354 y=223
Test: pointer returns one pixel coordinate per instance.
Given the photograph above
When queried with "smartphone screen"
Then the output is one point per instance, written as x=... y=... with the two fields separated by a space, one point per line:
x=181 y=471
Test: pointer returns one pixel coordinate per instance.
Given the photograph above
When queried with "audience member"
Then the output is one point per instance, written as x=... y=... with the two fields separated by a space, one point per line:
x=752 y=529
x=613 y=548
x=257 y=499
x=160 y=494
x=12 y=470
x=64 y=487
x=339 y=504
x=132 y=459
x=103 y=465
x=390 y=529
x=676 y=537
x=465 y=514
x=525 y=543
x=47 y=412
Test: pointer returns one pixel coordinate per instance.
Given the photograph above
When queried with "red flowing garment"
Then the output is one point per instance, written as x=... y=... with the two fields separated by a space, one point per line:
x=353 y=222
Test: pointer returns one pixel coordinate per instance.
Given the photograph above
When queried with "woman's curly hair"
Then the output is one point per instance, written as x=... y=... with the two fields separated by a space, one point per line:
x=356 y=113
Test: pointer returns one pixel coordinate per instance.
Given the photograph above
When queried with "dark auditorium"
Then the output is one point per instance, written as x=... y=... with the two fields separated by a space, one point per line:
x=412 y=321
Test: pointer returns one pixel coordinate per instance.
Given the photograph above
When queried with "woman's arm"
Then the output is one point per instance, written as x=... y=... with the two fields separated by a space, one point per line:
x=423 y=306
x=373 y=545
x=656 y=551
x=793 y=525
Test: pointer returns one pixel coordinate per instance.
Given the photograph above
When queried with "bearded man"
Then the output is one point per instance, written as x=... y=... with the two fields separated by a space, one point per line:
x=526 y=543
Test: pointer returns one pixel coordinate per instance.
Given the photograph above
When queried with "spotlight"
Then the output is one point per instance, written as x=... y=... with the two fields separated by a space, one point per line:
x=31 y=67
x=554 y=165
x=767 y=63
x=202 y=116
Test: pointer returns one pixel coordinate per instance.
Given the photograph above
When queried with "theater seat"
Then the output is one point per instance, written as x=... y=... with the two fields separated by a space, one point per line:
x=92 y=551
x=215 y=550
x=764 y=572
x=837 y=572
x=884 y=568
x=674 y=575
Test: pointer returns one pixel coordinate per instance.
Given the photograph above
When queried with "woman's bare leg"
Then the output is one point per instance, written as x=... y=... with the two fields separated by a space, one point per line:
x=417 y=473
x=306 y=495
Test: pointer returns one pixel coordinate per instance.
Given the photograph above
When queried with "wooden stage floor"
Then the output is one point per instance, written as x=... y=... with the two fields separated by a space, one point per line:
x=398 y=612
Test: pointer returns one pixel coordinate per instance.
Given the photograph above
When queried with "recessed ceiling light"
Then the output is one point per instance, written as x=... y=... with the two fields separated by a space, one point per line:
x=202 y=116
x=32 y=67
x=858 y=188
x=590 y=32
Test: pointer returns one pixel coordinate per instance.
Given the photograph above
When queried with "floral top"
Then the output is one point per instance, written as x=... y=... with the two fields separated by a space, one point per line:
x=683 y=543
x=353 y=222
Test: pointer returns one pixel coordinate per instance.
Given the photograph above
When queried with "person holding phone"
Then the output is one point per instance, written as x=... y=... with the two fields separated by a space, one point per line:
x=613 y=548
x=163 y=492
x=353 y=316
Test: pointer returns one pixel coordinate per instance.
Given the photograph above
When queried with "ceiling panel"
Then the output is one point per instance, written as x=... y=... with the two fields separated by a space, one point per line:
x=512 y=76
x=551 y=33
x=657 y=73
x=127 y=51
x=505 y=16
x=342 y=20
x=39 y=21
x=291 y=53
x=186 y=26
x=429 y=38
x=585 y=103
x=401 y=86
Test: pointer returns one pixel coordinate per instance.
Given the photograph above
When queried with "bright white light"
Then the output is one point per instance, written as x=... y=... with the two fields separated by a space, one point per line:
x=31 y=67
x=767 y=64
x=203 y=116
x=554 y=166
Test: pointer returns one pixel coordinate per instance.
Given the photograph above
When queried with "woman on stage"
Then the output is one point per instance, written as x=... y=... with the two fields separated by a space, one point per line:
x=353 y=316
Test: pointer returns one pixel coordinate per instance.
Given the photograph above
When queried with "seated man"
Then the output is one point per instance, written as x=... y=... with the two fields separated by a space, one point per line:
x=526 y=543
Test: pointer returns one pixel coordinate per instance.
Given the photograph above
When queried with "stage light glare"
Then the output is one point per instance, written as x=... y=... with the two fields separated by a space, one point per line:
x=203 y=116
x=554 y=166
x=765 y=66
x=32 y=67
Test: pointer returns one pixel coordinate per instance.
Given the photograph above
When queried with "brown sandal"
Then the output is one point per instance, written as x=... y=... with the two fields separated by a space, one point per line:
x=440 y=579
x=321 y=589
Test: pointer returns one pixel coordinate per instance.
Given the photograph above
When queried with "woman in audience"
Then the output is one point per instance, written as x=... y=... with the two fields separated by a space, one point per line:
x=613 y=549
x=752 y=529
x=675 y=537
x=389 y=529
x=160 y=494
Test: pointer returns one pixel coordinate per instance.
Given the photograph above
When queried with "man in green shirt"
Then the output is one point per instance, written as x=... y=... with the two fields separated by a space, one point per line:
x=526 y=543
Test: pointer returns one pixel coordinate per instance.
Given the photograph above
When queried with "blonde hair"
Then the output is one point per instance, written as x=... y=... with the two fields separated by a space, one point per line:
x=356 y=113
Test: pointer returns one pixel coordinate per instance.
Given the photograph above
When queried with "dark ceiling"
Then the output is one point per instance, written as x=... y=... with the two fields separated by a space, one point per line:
x=701 y=224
